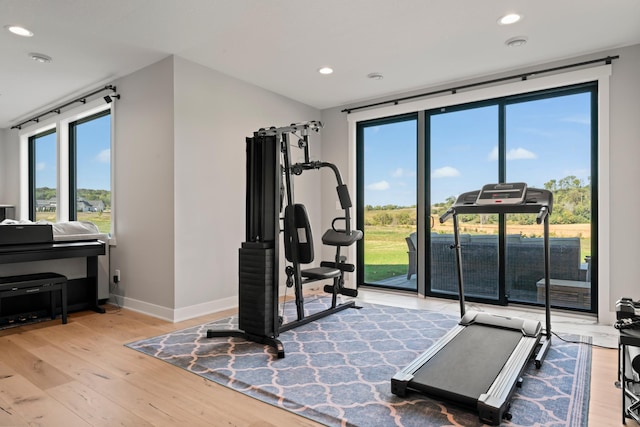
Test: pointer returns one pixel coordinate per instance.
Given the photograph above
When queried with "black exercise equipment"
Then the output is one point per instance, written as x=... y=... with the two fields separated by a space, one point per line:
x=269 y=185
x=480 y=362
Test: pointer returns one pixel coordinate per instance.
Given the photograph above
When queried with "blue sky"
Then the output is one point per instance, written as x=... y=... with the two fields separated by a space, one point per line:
x=546 y=139
x=93 y=155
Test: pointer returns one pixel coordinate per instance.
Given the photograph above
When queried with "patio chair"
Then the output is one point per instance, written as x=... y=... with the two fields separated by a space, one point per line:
x=411 y=270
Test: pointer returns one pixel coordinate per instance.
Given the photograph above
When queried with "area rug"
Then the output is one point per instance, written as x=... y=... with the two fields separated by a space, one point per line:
x=337 y=370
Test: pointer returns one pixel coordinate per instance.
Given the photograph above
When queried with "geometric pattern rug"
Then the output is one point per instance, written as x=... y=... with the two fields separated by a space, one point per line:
x=337 y=370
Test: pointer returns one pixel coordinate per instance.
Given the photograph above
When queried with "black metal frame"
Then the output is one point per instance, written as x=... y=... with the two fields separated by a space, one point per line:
x=492 y=405
x=73 y=160
x=538 y=202
x=269 y=185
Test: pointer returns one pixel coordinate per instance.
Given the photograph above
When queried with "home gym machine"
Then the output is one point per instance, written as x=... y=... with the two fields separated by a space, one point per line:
x=269 y=185
x=480 y=362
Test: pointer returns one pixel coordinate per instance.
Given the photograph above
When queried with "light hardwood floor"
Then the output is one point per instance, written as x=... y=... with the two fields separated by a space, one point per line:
x=81 y=374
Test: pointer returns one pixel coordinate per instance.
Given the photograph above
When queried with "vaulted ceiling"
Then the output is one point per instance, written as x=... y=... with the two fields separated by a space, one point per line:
x=280 y=44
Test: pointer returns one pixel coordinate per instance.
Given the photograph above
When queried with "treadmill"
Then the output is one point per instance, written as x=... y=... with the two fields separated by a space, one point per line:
x=480 y=361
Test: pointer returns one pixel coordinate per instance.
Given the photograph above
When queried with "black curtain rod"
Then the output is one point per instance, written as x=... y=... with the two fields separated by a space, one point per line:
x=59 y=108
x=453 y=90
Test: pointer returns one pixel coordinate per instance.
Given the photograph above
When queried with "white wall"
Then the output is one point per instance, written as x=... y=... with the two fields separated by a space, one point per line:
x=142 y=192
x=9 y=168
x=624 y=117
x=336 y=150
x=625 y=175
x=4 y=146
x=213 y=115
x=178 y=191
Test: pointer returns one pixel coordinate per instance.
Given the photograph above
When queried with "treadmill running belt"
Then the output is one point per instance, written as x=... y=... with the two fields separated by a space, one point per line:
x=467 y=366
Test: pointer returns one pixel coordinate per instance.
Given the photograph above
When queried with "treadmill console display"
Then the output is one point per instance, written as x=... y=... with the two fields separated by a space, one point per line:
x=506 y=194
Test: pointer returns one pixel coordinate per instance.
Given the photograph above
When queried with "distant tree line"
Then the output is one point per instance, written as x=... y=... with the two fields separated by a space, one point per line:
x=46 y=193
x=571 y=205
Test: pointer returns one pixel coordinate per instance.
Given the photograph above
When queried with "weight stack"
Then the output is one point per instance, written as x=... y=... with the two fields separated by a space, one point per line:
x=257 y=308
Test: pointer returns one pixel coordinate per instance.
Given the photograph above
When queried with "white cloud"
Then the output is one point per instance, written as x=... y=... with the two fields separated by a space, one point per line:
x=520 y=153
x=445 y=172
x=41 y=166
x=402 y=173
x=379 y=186
x=514 y=154
x=493 y=155
x=104 y=156
x=580 y=119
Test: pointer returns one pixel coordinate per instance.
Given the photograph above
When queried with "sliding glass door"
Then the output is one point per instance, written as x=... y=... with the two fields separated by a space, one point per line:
x=463 y=144
x=545 y=140
x=387 y=194
x=548 y=144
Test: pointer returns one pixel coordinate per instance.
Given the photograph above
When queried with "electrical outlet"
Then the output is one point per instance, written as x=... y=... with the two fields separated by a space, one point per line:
x=116 y=276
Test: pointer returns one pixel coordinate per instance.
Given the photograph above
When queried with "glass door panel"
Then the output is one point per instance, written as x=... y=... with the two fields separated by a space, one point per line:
x=548 y=145
x=390 y=209
x=463 y=157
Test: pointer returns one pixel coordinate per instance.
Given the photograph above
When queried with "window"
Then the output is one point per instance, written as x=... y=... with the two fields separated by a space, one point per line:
x=43 y=176
x=69 y=167
x=90 y=170
x=547 y=139
x=388 y=169
x=544 y=139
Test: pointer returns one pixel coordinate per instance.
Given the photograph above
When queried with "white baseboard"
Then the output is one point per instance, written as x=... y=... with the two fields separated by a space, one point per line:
x=174 y=315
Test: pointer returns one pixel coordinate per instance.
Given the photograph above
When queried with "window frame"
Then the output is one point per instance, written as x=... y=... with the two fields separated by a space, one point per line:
x=601 y=74
x=502 y=103
x=73 y=161
x=32 y=169
x=59 y=124
x=360 y=149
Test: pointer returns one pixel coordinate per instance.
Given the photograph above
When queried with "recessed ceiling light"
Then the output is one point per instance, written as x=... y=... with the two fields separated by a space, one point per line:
x=375 y=76
x=516 y=41
x=40 y=57
x=325 y=70
x=19 y=31
x=510 y=18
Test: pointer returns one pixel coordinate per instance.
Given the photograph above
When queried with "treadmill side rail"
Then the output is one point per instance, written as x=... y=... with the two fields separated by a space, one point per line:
x=494 y=403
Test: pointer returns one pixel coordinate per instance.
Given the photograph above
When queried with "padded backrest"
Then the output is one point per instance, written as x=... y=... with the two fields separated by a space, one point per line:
x=297 y=234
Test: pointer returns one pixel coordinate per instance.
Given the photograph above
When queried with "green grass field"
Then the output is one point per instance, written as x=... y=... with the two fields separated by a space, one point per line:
x=385 y=251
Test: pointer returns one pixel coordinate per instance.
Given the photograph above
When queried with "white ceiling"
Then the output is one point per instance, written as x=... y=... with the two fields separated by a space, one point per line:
x=280 y=44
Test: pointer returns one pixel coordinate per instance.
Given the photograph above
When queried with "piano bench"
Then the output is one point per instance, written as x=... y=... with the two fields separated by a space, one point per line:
x=11 y=286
